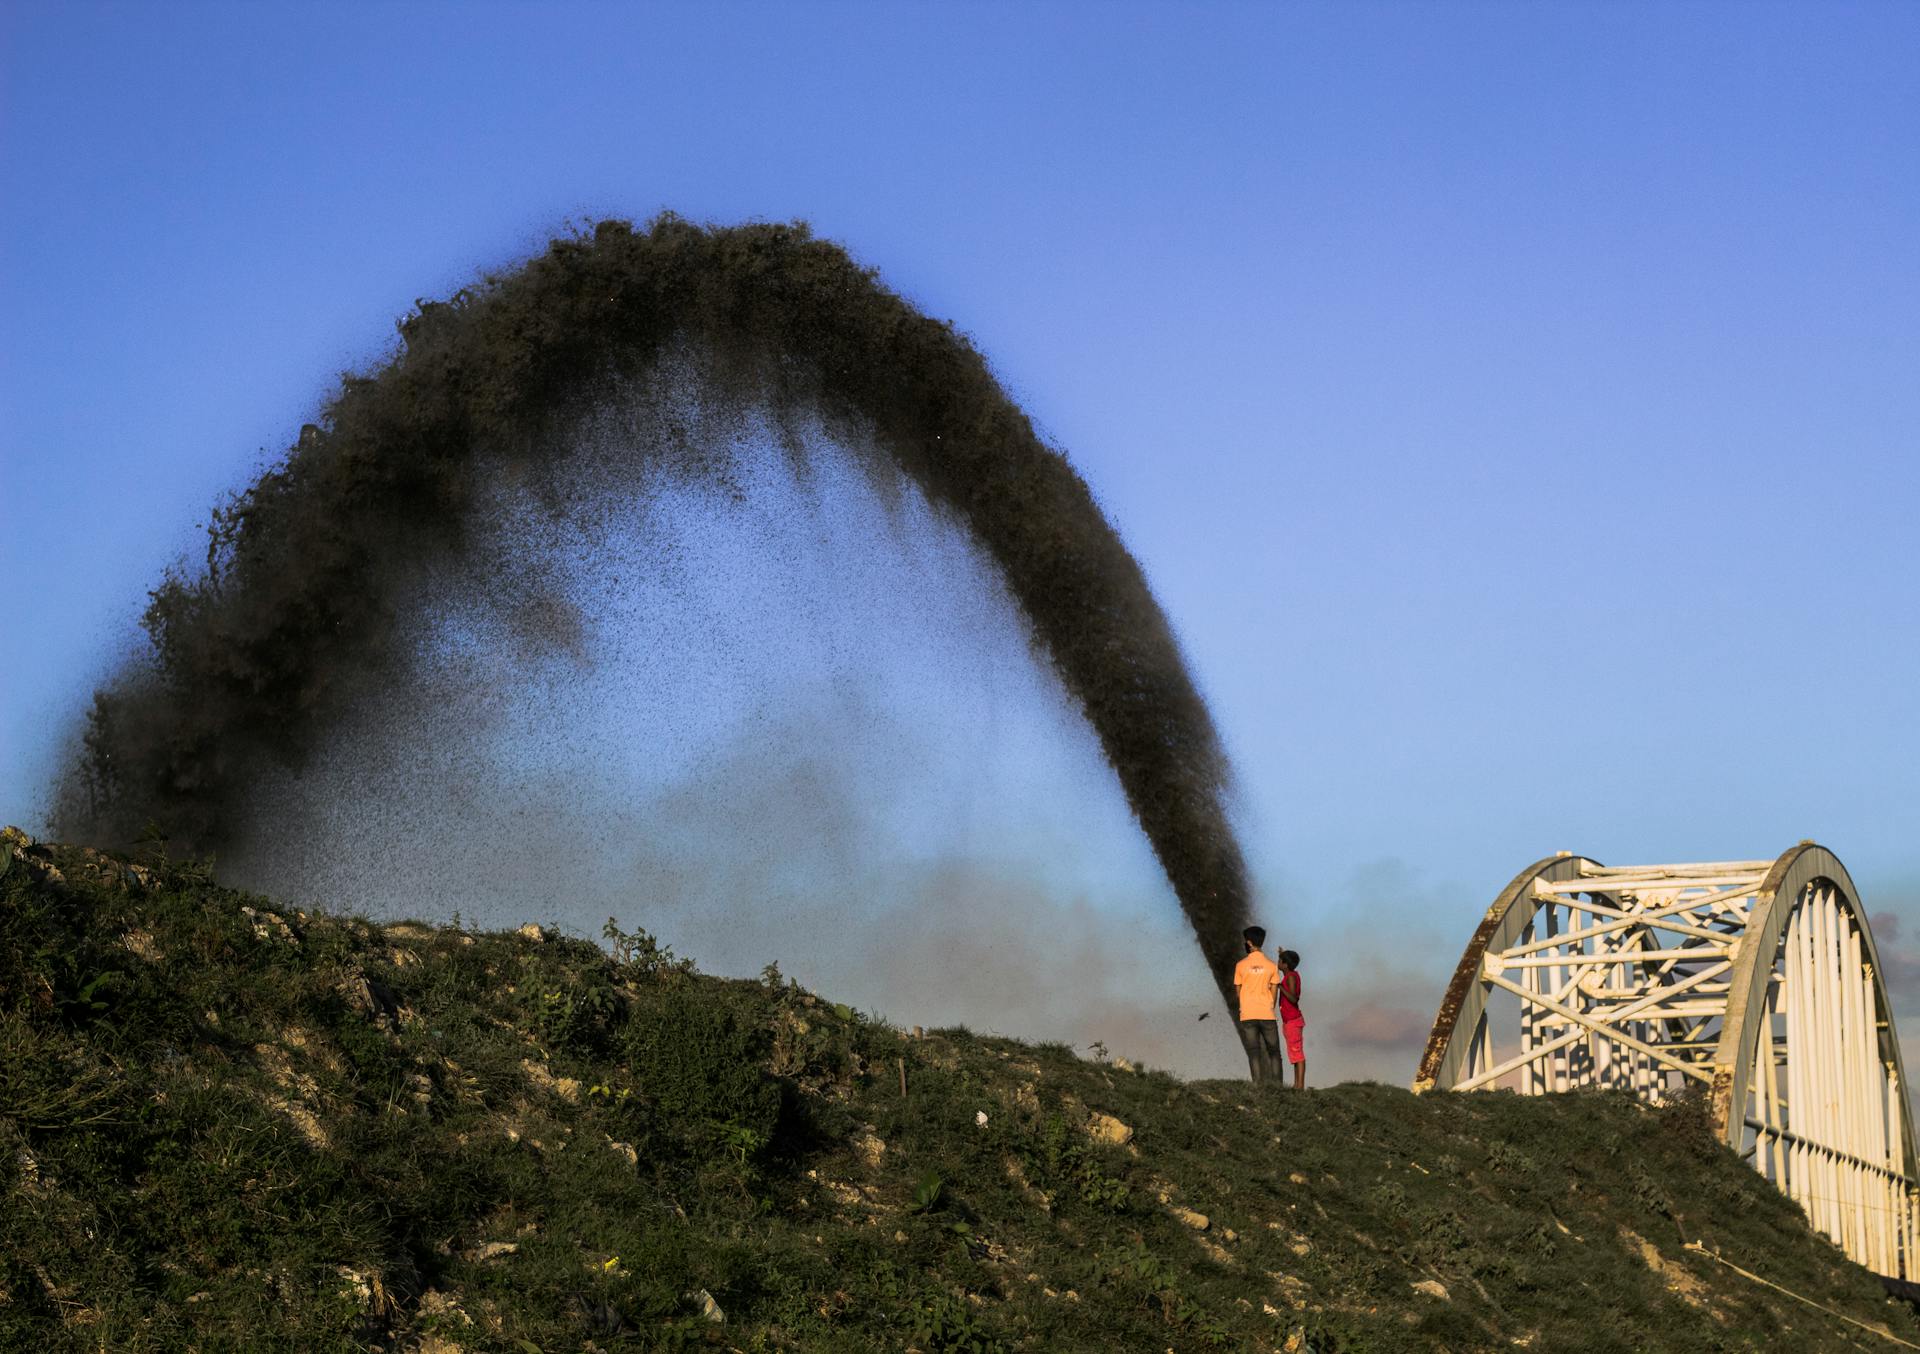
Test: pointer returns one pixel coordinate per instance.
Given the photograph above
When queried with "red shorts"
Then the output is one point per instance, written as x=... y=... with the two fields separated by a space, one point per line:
x=1296 y=1040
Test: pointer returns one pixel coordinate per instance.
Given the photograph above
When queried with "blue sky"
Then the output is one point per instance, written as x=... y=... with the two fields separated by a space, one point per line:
x=1514 y=406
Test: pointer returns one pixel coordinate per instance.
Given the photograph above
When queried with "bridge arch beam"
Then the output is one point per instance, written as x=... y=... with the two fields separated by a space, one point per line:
x=1756 y=981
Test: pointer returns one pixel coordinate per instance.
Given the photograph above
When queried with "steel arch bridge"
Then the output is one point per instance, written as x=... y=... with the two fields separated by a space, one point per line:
x=1756 y=981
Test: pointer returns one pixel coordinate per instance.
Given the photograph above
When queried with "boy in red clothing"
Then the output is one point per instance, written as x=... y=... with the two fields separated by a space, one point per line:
x=1256 y=979
x=1291 y=1020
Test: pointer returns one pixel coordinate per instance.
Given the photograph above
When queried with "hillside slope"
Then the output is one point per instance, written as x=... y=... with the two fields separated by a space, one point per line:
x=224 y=1126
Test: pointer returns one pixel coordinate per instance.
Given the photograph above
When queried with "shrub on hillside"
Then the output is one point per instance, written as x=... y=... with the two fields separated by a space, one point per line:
x=699 y=1062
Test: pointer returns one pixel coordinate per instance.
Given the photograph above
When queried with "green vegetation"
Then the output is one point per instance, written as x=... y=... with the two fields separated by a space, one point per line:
x=226 y=1126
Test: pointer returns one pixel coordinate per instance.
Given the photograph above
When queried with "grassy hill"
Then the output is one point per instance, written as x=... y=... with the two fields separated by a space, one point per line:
x=228 y=1126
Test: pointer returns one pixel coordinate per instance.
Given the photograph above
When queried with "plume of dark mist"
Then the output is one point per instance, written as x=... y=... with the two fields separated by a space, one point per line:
x=298 y=615
x=792 y=714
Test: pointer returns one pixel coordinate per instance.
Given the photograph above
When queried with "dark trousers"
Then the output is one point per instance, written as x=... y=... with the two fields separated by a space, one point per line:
x=1261 y=1040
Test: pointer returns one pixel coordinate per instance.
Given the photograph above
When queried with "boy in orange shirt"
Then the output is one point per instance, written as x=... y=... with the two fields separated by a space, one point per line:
x=1257 y=978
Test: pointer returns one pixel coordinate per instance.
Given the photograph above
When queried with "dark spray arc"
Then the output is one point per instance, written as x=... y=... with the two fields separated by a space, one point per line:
x=297 y=610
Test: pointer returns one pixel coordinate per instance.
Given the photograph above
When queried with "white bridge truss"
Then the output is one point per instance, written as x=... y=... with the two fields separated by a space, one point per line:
x=1755 y=980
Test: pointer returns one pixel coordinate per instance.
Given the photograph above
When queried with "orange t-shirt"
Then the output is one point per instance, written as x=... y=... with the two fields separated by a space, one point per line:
x=1256 y=976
